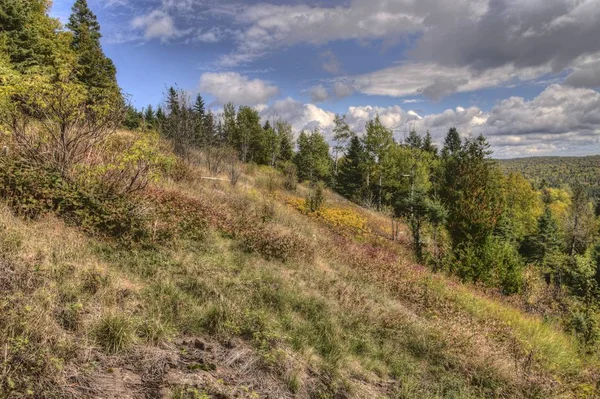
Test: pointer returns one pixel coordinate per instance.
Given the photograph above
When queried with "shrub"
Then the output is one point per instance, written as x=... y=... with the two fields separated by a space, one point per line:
x=290 y=175
x=114 y=332
x=32 y=191
x=316 y=199
x=274 y=243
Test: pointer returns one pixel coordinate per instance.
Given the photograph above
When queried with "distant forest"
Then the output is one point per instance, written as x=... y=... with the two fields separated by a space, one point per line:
x=558 y=172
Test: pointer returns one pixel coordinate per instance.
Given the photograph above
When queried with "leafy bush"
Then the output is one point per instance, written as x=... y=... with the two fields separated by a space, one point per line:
x=496 y=262
x=32 y=191
x=274 y=243
x=316 y=199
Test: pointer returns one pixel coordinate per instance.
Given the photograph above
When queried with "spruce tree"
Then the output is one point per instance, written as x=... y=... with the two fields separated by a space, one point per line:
x=27 y=33
x=414 y=140
x=547 y=240
x=428 y=145
x=351 y=173
x=452 y=143
x=95 y=70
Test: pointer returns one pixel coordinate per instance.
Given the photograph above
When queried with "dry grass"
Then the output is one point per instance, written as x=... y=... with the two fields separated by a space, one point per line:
x=346 y=314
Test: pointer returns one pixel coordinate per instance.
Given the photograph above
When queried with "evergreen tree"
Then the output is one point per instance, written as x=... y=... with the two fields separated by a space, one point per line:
x=351 y=173
x=452 y=143
x=414 y=140
x=286 y=138
x=29 y=36
x=547 y=239
x=95 y=70
x=200 y=114
x=428 y=145
x=471 y=190
x=150 y=117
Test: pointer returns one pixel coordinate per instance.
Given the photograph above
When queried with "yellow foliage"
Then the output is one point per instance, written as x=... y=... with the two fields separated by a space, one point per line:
x=343 y=218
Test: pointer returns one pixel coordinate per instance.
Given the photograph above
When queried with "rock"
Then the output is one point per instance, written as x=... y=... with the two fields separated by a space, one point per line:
x=199 y=344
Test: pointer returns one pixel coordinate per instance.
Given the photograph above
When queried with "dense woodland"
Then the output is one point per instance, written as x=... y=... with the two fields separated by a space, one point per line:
x=487 y=222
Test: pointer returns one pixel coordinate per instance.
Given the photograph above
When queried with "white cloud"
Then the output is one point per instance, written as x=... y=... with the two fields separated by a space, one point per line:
x=318 y=93
x=561 y=120
x=301 y=116
x=231 y=86
x=156 y=25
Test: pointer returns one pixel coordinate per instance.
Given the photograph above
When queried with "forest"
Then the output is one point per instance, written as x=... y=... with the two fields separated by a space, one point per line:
x=74 y=147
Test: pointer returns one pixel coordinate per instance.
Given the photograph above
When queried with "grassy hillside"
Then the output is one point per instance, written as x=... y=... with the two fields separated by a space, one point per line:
x=240 y=291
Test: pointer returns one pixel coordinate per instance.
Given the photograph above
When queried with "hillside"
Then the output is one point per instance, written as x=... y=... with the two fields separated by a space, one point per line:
x=241 y=292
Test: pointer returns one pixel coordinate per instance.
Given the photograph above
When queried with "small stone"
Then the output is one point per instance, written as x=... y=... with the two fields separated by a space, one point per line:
x=200 y=344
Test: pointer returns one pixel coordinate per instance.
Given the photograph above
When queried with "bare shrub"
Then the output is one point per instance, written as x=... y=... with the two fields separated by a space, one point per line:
x=53 y=123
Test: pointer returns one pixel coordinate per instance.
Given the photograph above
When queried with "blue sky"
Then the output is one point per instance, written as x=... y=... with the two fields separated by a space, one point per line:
x=525 y=73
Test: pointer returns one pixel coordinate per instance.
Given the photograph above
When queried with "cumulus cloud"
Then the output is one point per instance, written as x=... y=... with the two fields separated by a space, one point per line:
x=561 y=120
x=231 y=86
x=463 y=45
x=301 y=116
x=156 y=25
x=318 y=94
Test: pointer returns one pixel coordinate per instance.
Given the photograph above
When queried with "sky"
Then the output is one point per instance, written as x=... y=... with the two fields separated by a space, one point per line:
x=525 y=73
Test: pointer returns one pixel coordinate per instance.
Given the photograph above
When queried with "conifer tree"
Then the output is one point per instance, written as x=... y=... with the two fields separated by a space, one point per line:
x=377 y=140
x=547 y=240
x=150 y=117
x=428 y=145
x=95 y=70
x=351 y=173
x=414 y=140
x=452 y=143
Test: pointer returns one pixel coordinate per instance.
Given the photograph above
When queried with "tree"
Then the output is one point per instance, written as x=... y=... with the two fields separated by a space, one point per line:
x=150 y=117
x=229 y=124
x=30 y=37
x=95 y=70
x=580 y=221
x=341 y=135
x=414 y=140
x=249 y=135
x=200 y=115
x=351 y=179
x=428 y=145
x=378 y=140
x=180 y=122
x=312 y=159
x=547 y=240
x=471 y=190
x=286 y=138
x=452 y=143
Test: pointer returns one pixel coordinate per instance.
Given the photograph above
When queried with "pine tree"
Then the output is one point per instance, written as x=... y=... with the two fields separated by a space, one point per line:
x=414 y=140
x=150 y=117
x=428 y=145
x=351 y=173
x=28 y=34
x=547 y=240
x=452 y=143
x=95 y=70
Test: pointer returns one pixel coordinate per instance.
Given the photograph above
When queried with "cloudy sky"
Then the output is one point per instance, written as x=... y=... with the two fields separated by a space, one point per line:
x=526 y=73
